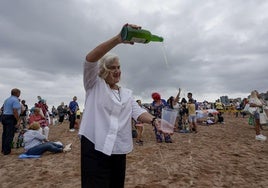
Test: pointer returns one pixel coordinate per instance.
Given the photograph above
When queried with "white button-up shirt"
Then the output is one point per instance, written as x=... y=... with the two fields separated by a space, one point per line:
x=106 y=121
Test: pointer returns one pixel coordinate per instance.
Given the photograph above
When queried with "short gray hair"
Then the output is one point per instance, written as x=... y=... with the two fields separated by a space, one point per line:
x=15 y=92
x=104 y=63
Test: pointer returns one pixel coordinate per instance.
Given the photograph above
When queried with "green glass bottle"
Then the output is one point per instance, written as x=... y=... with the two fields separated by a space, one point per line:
x=139 y=35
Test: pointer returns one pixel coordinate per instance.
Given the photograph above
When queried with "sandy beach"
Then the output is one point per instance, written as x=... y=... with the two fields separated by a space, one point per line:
x=221 y=155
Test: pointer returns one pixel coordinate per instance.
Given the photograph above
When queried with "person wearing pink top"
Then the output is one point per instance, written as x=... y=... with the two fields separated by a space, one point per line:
x=38 y=117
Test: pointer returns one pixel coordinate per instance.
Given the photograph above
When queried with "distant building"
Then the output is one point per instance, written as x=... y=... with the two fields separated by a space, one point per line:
x=224 y=100
x=264 y=96
x=237 y=99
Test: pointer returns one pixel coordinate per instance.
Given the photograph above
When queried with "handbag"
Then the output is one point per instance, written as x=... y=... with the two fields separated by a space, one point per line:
x=263 y=118
x=249 y=110
x=251 y=120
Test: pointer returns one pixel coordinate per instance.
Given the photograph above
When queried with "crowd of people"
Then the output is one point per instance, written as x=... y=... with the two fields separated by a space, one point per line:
x=192 y=113
x=105 y=129
x=17 y=117
x=186 y=121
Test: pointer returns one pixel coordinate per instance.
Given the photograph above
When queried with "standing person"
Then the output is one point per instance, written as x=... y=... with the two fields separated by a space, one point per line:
x=190 y=96
x=173 y=103
x=61 y=112
x=157 y=105
x=220 y=108
x=242 y=106
x=237 y=108
x=37 y=116
x=105 y=129
x=192 y=115
x=73 y=107
x=139 y=126
x=183 y=114
x=54 y=112
x=78 y=119
x=10 y=120
x=1 y=112
x=23 y=114
x=67 y=113
x=42 y=105
x=256 y=103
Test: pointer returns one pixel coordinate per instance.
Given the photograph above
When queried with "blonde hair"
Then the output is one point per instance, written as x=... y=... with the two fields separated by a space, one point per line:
x=255 y=95
x=37 y=109
x=34 y=126
x=104 y=63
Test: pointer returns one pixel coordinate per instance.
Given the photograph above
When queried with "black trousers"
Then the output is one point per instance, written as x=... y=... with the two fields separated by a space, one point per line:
x=61 y=118
x=99 y=170
x=72 y=119
x=9 y=127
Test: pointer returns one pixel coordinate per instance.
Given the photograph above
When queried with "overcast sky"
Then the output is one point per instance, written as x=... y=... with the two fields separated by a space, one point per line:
x=213 y=48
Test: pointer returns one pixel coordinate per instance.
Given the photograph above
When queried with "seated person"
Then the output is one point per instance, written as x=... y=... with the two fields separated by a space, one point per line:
x=36 y=116
x=36 y=144
x=220 y=118
x=210 y=119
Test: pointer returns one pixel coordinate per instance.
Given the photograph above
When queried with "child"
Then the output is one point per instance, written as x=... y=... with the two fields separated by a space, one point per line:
x=220 y=118
x=210 y=119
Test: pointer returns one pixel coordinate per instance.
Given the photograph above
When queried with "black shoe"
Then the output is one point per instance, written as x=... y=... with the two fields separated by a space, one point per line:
x=6 y=153
x=168 y=139
x=139 y=142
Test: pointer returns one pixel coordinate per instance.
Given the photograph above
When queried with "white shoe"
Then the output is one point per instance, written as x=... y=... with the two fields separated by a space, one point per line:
x=72 y=130
x=59 y=143
x=260 y=137
x=67 y=148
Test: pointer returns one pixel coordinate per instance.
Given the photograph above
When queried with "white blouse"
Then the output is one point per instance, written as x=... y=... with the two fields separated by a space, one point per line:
x=106 y=120
x=256 y=102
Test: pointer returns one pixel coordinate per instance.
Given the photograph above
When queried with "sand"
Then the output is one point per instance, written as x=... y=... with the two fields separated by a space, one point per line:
x=221 y=155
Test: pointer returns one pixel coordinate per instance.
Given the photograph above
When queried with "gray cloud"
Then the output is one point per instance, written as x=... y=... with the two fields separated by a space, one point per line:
x=213 y=48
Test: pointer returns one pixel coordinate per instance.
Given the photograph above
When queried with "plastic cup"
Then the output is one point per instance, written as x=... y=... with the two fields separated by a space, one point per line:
x=168 y=120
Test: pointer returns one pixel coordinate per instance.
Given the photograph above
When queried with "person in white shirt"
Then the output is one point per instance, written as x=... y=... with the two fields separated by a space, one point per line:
x=105 y=129
x=256 y=103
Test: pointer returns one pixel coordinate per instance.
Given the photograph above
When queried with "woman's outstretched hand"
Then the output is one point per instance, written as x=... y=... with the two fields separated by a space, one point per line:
x=133 y=26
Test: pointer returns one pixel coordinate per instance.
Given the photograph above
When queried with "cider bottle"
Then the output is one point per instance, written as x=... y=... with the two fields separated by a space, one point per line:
x=139 y=35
